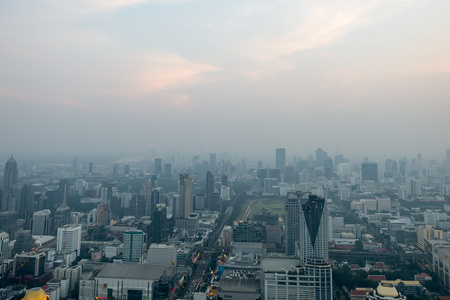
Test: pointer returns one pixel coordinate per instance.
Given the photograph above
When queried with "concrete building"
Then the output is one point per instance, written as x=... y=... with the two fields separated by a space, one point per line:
x=428 y=232
x=162 y=255
x=240 y=285
x=71 y=274
x=69 y=239
x=193 y=224
x=282 y=279
x=133 y=245
x=441 y=263
x=4 y=246
x=29 y=263
x=125 y=281
x=41 y=222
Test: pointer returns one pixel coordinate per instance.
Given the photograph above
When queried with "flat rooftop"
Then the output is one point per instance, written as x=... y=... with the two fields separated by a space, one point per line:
x=130 y=271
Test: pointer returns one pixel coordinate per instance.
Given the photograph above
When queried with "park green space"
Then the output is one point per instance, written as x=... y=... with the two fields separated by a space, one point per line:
x=273 y=205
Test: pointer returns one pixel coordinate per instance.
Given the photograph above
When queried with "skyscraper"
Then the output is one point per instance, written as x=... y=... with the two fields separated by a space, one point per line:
x=212 y=162
x=9 y=185
x=369 y=171
x=280 y=159
x=292 y=220
x=328 y=167
x=186 y=194
x=320 y=157
x=69 y=239
x=306 y=226
x=41 y=222
x=133 y=245
x=11 y=173
x=91 y=168
x=313 y=241
x=209 y=189
x=158 y=166
x=146 y=192
x=157 y=197
x=75 y=165
x=447 y=157
x=159 y=223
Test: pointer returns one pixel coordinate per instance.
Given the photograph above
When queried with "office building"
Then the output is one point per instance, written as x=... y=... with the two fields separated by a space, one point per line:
x=285 y=279
x=186 y=186
x=320 y=157
x=10 y=176
x=249 y=232
x=413 y=187
x=193 y=224
x=212 y=162
x=157 y=168
x=328 y=167
x=159 y=224
x=69 y=239
x=447 y=159
x=146 y=193
x=62 y=216
x=157 y=197
x=369 y=171
x=75 y=165
x=26 y=201
x=41 y=223
x=209 y=189
x=290 y=174
x=133 y=245
x=4 y=247
x=441 y=263
x=162 y=255
x=102 y=214
x=29 y=263
x=126 y=281
x=280 y=158
x=24 y=242
x=8 y=223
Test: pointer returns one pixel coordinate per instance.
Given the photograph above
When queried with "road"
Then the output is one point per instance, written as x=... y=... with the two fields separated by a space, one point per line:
x=218 y=230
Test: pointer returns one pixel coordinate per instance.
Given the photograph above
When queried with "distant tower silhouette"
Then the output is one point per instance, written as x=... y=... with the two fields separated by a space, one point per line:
x=9 y=184
x=212 y=162
x=209 y=189
x=280 y=159
x=158 y=166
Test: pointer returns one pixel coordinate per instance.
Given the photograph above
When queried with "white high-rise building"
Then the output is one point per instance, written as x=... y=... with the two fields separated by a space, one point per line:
x=344 y=169
x=313 y=242
x=133 y=245
x=432 y=217
x=162 y=255
x=4 y=246
x=40 y=225
x=69 y=239
x=384 y=204
x=306 y=226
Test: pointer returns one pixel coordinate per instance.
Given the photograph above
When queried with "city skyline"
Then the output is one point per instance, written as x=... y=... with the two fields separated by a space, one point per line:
x=119 y=78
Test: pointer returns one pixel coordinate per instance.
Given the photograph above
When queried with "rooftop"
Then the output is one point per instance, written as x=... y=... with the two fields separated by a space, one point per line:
x=130 y=271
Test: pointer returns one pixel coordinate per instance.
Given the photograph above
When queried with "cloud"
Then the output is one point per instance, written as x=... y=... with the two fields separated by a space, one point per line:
x=142 y=75
x=82 y=7
x=300 y=29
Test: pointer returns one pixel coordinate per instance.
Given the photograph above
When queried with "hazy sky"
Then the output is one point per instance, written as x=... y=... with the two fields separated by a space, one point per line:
x=122 y=77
